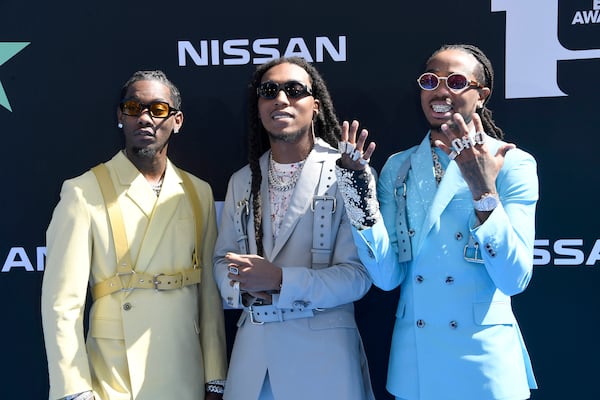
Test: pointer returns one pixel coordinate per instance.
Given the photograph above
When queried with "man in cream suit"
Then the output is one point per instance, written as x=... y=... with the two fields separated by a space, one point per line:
x=456 y=232
x=141 y=233
x=282 y=250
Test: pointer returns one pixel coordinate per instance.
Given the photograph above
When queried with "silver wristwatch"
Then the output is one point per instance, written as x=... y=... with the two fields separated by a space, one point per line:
x=487 y=202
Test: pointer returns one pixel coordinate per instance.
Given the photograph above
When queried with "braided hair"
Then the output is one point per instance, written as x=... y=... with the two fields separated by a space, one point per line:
x=156 y=75
x=326 y=127
x=485 y=75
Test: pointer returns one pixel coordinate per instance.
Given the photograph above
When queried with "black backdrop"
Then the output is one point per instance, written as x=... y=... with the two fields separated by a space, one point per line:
x=57 y=115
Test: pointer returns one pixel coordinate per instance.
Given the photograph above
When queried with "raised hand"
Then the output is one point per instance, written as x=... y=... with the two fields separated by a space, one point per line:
x=351 y=147
x=472 y=155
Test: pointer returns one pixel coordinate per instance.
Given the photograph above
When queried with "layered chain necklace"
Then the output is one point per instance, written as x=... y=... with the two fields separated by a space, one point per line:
x=283 y=179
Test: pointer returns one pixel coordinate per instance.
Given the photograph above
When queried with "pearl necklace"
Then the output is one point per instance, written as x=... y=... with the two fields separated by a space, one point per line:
x=279 y=183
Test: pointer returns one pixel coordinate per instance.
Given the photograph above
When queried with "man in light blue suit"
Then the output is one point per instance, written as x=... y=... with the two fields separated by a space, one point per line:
x=453 y=223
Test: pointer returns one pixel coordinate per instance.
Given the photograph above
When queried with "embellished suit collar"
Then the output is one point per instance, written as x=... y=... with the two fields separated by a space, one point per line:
x=434 y=200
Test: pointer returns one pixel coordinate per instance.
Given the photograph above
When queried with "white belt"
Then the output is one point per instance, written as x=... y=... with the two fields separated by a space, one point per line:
x=261 y=314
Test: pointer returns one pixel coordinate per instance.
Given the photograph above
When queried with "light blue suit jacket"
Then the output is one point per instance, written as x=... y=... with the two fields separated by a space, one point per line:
x=455 y=335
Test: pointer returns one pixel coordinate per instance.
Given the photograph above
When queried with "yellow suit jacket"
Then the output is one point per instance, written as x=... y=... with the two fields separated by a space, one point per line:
x=142 y=344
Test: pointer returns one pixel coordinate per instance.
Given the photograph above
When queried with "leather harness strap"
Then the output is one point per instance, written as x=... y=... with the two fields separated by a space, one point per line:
x=402 y=230
x=143 y=280
x=323 y=207
x=471 y=251
x=125 y=268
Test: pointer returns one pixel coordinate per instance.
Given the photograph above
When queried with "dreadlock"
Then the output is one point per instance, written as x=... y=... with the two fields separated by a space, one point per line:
x=485 y=75
x=326 y=127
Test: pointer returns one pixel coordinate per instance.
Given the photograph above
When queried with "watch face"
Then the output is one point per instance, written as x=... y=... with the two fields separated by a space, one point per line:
x=487 y=203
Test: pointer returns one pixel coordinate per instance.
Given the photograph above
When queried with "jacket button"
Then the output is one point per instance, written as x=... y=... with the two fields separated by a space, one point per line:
x=453 y=324
x=458 y=235
x=127 y=306
x=420 y=323
x=449 y=280
x=419 y=278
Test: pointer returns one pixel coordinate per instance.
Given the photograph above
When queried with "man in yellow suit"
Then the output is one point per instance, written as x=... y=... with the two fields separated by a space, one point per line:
x=141 y=233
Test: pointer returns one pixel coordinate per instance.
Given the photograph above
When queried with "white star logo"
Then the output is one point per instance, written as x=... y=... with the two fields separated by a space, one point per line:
x=7 y=51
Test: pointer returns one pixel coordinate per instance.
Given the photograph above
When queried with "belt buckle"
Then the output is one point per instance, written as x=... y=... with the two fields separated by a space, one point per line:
x=125 y=288
x=326 y=198
x=156 y=282
x=245 y=204
x=254 y=322
x=396 y=192
x=475 y=258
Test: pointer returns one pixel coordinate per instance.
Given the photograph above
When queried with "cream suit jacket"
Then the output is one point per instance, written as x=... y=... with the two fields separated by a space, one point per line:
x=315 y=358
x=143 y=344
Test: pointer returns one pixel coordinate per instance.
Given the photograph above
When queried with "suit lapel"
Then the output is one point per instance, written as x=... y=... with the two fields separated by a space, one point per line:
x=171 y=195
x=451 y=186
x=266 y=206
x=434 y=200
x=421 y=177
x=158 y=212
x=301 y=198
x=134 y=184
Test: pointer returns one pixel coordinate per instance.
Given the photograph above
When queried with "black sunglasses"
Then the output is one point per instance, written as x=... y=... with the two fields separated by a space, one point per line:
x=157 y=109
x=455 y=82
x=292 y=89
